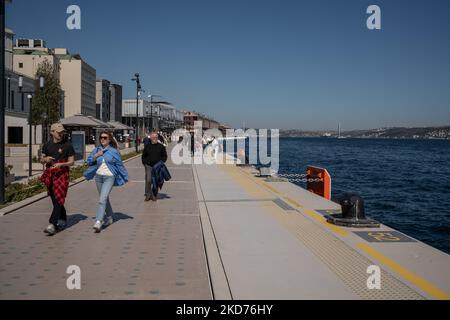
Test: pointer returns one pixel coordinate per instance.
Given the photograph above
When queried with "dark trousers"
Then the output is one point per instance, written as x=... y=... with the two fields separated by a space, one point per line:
x=148 y=181
x=59 y=212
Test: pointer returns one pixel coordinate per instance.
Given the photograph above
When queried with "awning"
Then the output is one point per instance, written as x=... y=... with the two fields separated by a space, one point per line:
x=80 y=120
x=119 y=126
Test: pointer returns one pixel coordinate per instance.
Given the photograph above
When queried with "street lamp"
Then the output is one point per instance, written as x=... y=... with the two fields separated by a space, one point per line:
x=151 y=109
x=138 y=88
x=143 y=115
x=30 y=97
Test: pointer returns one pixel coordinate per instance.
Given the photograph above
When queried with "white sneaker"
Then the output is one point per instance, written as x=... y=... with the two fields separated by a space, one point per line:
x=109 y=221
x=98 y=226
x=51 y=230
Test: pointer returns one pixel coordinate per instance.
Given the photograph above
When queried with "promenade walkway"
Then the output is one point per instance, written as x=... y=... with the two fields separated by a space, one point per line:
x=153 y=251
x=217 y=232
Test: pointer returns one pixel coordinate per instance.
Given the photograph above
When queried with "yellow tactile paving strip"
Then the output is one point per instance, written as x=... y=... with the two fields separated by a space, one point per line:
x=348 y=264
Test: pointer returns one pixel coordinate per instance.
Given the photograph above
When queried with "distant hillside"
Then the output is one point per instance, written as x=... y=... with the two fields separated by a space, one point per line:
x=387 y=133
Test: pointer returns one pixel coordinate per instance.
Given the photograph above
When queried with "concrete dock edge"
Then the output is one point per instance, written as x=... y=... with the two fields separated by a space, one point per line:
x=218 y=278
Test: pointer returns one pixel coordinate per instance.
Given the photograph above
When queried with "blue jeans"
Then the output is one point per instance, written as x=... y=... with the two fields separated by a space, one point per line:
x=104 y=187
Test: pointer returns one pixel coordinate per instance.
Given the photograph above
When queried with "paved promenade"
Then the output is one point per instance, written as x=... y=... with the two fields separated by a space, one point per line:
x=153 y=251
x=217 y=232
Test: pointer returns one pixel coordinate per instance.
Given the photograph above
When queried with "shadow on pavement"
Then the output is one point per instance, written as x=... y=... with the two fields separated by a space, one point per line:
x=117 y=217
x=163 y=196
x=73 y=219
x=121 y=216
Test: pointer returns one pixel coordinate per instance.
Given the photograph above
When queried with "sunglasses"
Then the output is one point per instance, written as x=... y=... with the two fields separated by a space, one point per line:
x=104 y=138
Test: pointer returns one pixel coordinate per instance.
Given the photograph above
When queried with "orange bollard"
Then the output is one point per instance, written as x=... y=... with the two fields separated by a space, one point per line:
x=321 y=188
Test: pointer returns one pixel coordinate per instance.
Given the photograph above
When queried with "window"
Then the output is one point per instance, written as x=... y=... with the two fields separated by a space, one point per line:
x=23 y=43
x=8 y=105
x=12 y=99
x=20 y=65
x=15 y=135
x=38 y=43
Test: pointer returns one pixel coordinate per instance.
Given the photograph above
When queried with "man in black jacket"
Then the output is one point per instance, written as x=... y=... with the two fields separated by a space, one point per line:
x=153 y=153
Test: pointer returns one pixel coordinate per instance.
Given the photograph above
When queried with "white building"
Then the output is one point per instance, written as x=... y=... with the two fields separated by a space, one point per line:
x=170 y=118
x=129 y=114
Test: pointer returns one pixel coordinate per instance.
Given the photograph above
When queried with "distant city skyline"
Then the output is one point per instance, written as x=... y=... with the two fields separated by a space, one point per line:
x=305 y=65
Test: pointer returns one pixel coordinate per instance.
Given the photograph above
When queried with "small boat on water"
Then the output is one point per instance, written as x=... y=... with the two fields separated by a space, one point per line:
x=339 y=132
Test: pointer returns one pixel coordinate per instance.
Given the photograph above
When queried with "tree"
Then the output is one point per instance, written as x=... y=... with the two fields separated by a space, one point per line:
x=46 y=101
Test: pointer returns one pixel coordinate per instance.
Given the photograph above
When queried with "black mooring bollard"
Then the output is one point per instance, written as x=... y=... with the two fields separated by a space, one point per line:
x=353 y=213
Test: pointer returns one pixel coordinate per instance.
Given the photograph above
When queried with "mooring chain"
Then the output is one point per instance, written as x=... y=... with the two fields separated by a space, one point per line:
x=298 y=177
x=305 y=180
x=293 y=175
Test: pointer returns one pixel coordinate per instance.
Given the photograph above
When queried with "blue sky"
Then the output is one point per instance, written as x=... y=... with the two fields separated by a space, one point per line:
x=273 y=64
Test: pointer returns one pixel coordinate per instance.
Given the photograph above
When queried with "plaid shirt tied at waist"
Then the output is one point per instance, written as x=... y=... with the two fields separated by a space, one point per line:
x=57 y=180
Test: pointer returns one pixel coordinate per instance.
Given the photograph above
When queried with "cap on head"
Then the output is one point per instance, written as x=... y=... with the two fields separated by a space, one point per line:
x=58 y=127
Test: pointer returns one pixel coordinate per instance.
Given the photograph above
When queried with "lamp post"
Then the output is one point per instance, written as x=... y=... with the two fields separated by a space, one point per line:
x=30 y=97
x=146 y=113
x=138 y=88
x=151 y=109
x=143 y=113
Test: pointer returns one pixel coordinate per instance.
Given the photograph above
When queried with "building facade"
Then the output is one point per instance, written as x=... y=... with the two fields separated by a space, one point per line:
x=169 y=117
x=129 y=114
x=159 y=116
x=103 y=100
x=17 y=111
x=9 y=40
x=17 y=101
x=29 y=53
x=207 y=122
x=78 y=80
x=116 y=102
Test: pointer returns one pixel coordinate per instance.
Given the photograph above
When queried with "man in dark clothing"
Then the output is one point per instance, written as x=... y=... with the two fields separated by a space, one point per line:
x=57 y=155
x=153 y=153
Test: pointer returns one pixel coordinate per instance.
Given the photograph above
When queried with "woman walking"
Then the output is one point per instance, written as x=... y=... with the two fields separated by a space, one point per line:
x=105 y=164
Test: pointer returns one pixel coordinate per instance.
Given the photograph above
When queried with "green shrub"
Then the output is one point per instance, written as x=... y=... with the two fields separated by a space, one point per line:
x=77 y=172
x=130 y=155
x=18 y=191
